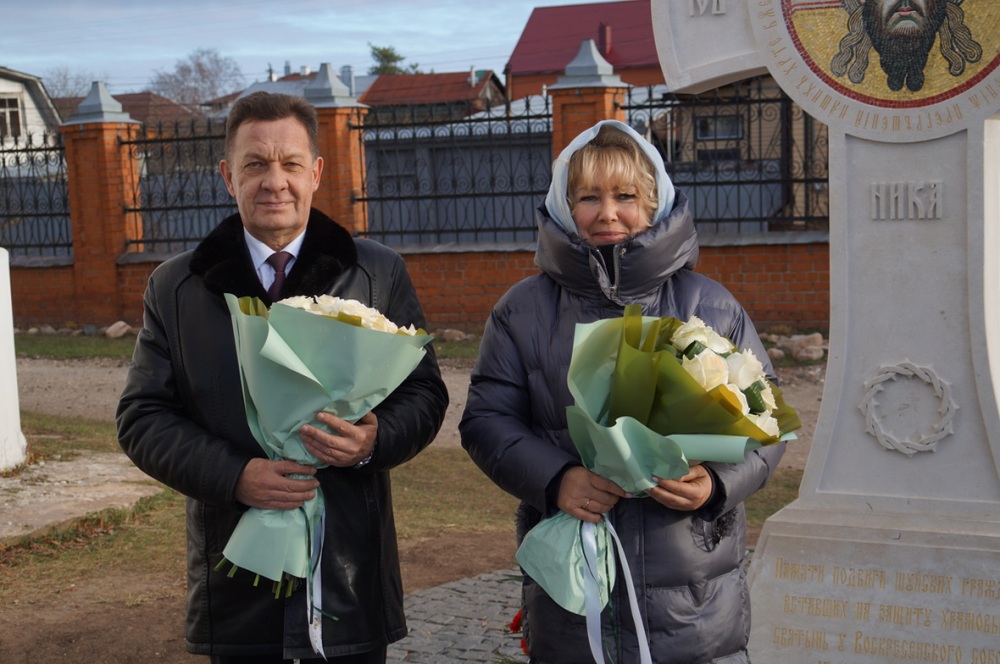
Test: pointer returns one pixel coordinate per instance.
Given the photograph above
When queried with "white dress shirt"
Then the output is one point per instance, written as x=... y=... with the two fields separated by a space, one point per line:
x=259 y=253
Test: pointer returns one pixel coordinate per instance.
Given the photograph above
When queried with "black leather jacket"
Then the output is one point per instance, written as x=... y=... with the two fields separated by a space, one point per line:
x=181 y=419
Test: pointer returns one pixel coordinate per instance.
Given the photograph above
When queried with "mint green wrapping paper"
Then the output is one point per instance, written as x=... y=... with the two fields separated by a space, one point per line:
x=294 y=364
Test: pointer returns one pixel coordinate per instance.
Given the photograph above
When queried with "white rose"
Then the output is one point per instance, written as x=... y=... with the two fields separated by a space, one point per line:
x=708 y=369
x=300 y=302
x=740 y=397
x=744 y=369
x=327 y=305
x=768 y=397
x=766 y=423
x=696 y=330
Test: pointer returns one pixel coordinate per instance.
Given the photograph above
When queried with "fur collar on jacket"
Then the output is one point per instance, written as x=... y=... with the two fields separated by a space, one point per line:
x=223 y=260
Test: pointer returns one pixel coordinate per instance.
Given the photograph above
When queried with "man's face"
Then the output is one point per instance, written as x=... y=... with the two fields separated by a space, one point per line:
x=901 y=19
x=272 y=174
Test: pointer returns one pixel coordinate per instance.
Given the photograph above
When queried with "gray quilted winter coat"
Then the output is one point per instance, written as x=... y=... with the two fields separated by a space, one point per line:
x=686 y=566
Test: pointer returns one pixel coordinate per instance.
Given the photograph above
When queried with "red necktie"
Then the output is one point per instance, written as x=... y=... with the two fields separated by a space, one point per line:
x=278 y=261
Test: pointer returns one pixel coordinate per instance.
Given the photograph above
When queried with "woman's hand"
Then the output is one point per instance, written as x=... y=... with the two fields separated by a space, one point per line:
x=685 y=494
x=586 y=495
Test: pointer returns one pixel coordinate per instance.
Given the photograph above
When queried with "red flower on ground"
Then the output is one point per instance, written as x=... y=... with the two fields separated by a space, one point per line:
x=515 y=624
x=515 y=627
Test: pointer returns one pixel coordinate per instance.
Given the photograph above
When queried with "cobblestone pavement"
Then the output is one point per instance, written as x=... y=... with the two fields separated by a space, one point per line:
x=463 y=621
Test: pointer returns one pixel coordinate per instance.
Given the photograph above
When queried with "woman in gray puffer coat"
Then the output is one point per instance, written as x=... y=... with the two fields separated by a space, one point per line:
x=613 y=232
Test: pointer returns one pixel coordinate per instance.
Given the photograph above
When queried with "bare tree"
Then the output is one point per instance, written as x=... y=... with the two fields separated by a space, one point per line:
x=64 y=82
x=204 y=75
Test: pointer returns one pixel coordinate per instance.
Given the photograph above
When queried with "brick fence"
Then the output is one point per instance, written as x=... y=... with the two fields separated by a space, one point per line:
x=782 y=279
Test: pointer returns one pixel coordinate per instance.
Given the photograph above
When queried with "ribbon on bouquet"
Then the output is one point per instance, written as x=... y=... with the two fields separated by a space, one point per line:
x=592 y=592
x=314 y=589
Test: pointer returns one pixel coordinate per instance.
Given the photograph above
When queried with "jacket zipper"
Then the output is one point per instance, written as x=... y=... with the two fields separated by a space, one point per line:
x=616 y=270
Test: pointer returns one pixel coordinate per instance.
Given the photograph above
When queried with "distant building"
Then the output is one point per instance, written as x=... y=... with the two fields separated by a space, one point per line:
x=25 y=106
x=291 y=83
x=148 y=108
x=433 y=97
x=623 y=32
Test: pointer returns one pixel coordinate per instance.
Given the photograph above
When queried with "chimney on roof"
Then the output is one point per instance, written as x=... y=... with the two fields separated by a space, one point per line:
x=472 y=76
x=347 y=77
x=304 y=70
x=288 y=67
x=604 y=39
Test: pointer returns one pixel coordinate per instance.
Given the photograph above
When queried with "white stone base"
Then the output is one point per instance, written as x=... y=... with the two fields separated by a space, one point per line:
x=828 y=586
x=12 y=443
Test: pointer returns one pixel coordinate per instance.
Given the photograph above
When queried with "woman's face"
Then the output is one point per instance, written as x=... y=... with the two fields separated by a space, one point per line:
x=607 y=213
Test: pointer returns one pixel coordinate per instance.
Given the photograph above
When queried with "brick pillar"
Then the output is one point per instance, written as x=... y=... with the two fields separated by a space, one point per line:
x=588 y=93
x=343 y=155
x=575 y=110
x=101 y=175
x=342 y=149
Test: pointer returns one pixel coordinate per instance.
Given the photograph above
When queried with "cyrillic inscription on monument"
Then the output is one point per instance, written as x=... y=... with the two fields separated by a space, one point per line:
x=701 y=7
x=905 y=200
x=874 y=613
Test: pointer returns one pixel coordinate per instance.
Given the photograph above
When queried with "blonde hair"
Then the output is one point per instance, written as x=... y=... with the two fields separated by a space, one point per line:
x=623 y=163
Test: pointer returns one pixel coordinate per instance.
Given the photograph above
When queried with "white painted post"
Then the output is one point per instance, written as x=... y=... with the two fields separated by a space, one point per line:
x=12 y=442
x=891 y=550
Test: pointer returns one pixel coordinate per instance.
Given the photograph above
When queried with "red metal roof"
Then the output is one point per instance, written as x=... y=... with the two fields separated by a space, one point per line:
x=552 y=36
x=145 y=107
x=412 y=89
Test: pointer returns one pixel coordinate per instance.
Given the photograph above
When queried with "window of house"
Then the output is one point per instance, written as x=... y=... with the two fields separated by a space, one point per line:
x=718 y=127
x=10 y=117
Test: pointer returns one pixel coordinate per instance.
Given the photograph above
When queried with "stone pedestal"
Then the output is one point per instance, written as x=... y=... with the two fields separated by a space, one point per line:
x=12 y=443
x=892 y=550
x=845 y=587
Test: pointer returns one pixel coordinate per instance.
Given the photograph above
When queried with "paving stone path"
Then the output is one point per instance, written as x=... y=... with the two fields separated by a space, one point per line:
x=463 y=621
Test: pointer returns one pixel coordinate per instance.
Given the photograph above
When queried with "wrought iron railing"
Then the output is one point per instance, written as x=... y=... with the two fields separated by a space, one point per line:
x=179 y=195
x=748 y=157
x=470 y=180
x=34 y=198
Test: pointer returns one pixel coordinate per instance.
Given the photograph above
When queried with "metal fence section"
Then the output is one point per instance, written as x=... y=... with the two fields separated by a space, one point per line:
x=180 y=195
x=472 y=180
x=748 y=157
x=34 y=197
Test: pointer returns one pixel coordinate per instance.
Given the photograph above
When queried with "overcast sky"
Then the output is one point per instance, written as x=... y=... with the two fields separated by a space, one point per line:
x=124 y=42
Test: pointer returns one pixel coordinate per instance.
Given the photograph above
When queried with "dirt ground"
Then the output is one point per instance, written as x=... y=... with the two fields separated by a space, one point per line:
x=140 y=619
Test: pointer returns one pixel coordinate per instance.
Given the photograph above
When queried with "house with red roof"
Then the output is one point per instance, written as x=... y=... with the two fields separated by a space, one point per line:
x=623 y=32
x=431 y=97
x=148 y=108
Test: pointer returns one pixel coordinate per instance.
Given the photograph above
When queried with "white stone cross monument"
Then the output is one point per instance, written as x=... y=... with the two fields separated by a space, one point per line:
x=12 y=443
x=891 y=552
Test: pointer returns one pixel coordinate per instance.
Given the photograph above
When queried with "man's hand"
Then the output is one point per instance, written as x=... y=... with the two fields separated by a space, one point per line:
x=587 y=495
x=686 y=493
x=349 y=444
x=265 y=484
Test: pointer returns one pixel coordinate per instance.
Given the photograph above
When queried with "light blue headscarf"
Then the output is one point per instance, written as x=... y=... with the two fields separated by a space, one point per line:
x=556 y=200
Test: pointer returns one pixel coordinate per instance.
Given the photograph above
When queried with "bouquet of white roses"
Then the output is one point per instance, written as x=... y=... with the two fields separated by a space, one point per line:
x=651 y=394
x=710 y=387
x=303 y=356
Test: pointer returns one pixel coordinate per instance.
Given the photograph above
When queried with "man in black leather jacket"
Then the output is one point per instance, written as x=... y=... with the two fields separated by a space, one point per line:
x=181 y=418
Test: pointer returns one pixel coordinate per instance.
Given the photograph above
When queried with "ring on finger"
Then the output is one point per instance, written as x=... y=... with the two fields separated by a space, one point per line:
x=586 y=505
